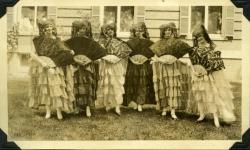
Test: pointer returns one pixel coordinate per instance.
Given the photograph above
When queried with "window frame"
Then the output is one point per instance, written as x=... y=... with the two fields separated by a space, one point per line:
x=118 y=32
x=19 y=18
x=212 y=36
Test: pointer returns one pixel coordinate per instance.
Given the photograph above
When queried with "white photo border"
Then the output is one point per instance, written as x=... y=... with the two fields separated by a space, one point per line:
x=149 y=144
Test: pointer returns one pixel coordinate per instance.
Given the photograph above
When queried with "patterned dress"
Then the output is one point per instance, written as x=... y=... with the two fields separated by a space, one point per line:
x=210 y=88
x=86 y=77
x=171 y=80
x=112 y=75
x=46 y=87
x=139 y=78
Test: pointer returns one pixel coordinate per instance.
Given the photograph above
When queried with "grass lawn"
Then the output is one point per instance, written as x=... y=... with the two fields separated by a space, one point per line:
x=28 y=124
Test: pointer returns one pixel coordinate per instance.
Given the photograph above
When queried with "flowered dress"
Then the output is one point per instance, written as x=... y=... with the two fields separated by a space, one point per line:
x=211 y=90
x=139 y=78
x=86 y=77
x=112 y=75
x=46 y=87
x=172 y=79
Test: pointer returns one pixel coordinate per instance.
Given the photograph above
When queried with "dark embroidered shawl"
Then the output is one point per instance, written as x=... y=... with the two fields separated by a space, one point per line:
x=211 y=60
x=171 y=46
x=140 y=46
x=53 y=48
x=116 y=46
x=87 y=47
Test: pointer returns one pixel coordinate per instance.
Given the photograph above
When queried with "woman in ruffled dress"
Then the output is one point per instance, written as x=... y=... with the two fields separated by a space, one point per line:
x=112 y=69
x=210 y=88
x=168 y=71
x=87 y=51
x=48 y=65
x=139 y=77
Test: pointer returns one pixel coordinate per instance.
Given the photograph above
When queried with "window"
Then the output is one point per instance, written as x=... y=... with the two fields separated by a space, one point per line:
x=215 y=19
x=29 y=17
x=210 y=16
x=122 y=16
x=110 y=15
x=218 y=20
x=127 y=18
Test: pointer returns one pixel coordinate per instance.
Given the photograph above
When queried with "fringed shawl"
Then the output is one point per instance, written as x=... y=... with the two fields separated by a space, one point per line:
x=171 y=46
x=116 y=47
x=54 y=49
x=140 y=46
x=86 y=46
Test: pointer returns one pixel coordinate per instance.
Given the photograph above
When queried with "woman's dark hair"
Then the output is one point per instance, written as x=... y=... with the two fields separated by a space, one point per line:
x=105 y=28
x=170 y=26
x=135 y=27
x=200 y=30
x=77 y=25
x=43 y=24
x=103 y=34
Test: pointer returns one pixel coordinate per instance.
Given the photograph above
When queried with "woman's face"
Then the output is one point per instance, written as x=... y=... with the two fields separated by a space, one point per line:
x=82 y=31
x=167 y=33
x=139 y=33
x=110 y=32
x=201 y=40
x=48 y=30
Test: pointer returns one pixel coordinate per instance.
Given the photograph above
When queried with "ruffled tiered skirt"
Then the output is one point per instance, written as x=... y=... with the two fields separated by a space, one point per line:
x=49 y=88
x=139 y=84
x=212 y=94
x=186 y=85
x=111 y=83
x=167 y=85
x=86 y=85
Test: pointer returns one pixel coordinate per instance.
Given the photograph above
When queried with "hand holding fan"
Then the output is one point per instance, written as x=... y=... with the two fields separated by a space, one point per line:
x=167 y=59
x=82 y=59
x=138 y=59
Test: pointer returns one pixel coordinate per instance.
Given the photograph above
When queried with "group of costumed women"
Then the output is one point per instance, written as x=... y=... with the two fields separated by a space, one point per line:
x=77 y=73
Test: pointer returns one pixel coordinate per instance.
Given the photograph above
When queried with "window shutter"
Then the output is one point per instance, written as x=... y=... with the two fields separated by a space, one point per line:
x=52 y=13
x=10 y=18
x=184 y=20
x=228 y=21
x=95 y=21
x=139 y=14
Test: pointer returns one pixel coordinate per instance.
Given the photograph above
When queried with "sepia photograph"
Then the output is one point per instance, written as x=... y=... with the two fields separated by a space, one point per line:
x=125 y=72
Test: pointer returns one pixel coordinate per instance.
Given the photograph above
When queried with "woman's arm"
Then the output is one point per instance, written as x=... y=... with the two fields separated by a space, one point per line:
x=37 y=59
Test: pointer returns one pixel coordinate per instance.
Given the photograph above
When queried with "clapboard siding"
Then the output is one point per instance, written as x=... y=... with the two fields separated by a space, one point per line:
x=61 y=13
x=238 y=13
x=237 y=35
x=234 y=45
x=66 y=21
x=155 y=33
x=237 y=16
x=155 y=16
x=238 y=10
x=158 y=23
x=66 y=15
x=225 y=45
x=75 y=7
x=237 y=26
x=162 y=15
x=162 y=8
x=64 y=31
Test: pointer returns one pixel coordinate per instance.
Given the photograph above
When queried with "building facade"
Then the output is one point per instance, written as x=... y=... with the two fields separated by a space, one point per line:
x=222 y=22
